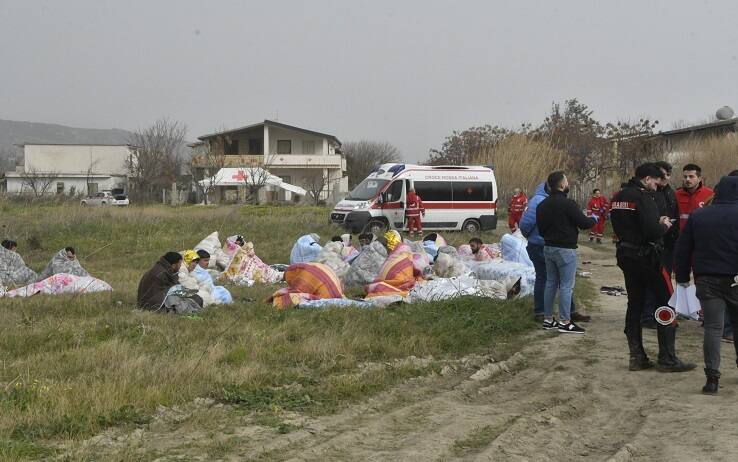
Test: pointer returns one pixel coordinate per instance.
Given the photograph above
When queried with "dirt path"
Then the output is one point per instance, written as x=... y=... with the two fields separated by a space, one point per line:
x=564 y=398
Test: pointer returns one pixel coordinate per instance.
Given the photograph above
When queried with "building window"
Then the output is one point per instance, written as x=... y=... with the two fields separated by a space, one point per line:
x=308 y=147
x=60 y=187
x=91 y=189
x=256 y=146
x=231 y=148
x=284 y=146
x=286 y=179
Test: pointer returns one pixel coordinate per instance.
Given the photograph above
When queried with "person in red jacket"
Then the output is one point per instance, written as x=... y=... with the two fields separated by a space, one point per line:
x=516 y=207
x=693 y=194
x=413 y=211
x=597 y=206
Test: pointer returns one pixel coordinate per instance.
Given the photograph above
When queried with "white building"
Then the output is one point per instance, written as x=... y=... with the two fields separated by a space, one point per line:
x=69 y=169
x=298 y=156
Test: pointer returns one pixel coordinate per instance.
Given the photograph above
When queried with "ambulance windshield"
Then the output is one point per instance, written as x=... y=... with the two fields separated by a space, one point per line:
x=367 y=189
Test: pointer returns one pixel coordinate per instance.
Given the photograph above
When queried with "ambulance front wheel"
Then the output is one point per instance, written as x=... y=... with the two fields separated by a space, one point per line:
x=472 y=226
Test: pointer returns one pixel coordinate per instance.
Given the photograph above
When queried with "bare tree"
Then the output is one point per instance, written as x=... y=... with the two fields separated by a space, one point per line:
x=155 y=157
x=90 y=175
x=316 y=184
x=362 y=156
x=256 y=175
x=207 y=160
x=38 y=182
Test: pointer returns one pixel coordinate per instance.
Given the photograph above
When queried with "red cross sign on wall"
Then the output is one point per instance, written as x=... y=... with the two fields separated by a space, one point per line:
x=240 y=176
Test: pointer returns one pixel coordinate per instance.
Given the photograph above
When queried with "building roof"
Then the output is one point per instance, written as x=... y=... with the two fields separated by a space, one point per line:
x=696 y=128
x=30 y=143
x=273 y=124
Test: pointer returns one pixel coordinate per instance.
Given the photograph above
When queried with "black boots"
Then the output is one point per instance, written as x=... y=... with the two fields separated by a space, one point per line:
x=638 y=358
x=668 y=360
x=711 y=387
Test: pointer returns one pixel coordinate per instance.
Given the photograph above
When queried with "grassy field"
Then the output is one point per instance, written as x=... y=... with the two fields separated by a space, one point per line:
x=71 y=366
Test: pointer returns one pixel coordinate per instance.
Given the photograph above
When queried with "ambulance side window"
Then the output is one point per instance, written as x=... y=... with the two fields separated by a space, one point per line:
x=394 y=192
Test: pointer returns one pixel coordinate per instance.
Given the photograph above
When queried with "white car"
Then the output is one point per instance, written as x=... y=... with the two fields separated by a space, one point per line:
x=106 y=198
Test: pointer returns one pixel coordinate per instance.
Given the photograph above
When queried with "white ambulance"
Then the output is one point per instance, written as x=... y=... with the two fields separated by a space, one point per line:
x=454 y=197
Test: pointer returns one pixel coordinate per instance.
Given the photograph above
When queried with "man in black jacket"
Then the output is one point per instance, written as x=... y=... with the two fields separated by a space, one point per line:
x=668 y=206
x=559 y=219
x=708 y=246
x=640 y=227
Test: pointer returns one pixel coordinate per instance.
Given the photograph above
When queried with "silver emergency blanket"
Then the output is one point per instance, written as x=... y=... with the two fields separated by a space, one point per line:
x=447 y=288
x=504 y=270
x=332 y=256
x=61 y=264
x=13 y=270
x=365 y=267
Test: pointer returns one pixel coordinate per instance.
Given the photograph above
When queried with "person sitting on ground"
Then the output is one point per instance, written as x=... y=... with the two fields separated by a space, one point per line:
x=336 y=239
x=365 y=239
x=156 y=282
x=10 y=245
x=13 y=270
x=65 y=261
x=220 y=294
x=479 y=250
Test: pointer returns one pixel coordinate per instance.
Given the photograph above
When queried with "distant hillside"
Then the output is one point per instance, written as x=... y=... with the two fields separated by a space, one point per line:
x=13 y=132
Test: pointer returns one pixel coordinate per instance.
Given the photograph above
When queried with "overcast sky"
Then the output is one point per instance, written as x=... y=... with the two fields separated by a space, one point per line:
x=408 y=72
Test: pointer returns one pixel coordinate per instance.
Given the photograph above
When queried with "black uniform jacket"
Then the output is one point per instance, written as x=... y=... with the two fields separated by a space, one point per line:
x=635 y=215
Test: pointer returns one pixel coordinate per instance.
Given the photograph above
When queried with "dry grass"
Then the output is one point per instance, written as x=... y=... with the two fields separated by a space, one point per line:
x=520 y=162
x=72 y=366
x=717 y=156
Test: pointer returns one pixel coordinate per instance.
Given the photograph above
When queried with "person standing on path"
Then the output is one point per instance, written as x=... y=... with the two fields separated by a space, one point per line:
x=667 y=203
x=637 y=222
x=693 y=194
x=516 y=207
x=413 y=210
x=559 y=219
x=597 y=206
x=535 y=252
x=708 y=246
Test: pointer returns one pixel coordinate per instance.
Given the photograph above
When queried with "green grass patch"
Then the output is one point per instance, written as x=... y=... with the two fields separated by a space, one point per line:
x=74 y=366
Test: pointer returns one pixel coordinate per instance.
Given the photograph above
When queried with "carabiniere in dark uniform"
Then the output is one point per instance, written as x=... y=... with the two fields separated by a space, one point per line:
x=636 y=221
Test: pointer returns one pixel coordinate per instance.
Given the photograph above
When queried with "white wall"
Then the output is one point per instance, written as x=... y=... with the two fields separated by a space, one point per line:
x=15 y=184
x=76 y=159
x=276 y=133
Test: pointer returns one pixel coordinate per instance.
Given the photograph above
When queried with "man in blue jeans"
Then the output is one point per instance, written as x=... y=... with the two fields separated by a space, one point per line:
x=535 y=252
x=559 y=220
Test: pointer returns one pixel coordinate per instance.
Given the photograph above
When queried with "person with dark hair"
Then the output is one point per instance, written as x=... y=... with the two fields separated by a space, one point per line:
x=516 y=207
x=668 y=206
x=155 y=283
x=10 y=245
x=559 y=220
x=365 y=239
x=598 y=206
x=693 y=194
x=733 y=173
x=708 y=247
x=535 y=251
x=640 y=227
x=336 y=239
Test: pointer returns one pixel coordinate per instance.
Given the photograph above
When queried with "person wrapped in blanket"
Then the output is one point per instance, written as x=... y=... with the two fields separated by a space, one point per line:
x=159 y=288
x=13 y=270
x=65 y=261
x=220 y=294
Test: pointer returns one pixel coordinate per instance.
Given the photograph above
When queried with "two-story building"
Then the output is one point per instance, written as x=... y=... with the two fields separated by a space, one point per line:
x=297 y=155
x=69 y=169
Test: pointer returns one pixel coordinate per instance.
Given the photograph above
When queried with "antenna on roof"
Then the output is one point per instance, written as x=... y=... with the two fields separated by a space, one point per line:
x=276 y=115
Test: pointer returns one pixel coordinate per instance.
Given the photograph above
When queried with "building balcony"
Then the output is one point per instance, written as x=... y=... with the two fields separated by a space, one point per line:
x=286 y=161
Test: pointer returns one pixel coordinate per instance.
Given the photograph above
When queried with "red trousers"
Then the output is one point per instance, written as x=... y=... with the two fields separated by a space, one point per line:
x=413 y=223
x=513 y=219
x=599 y=228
